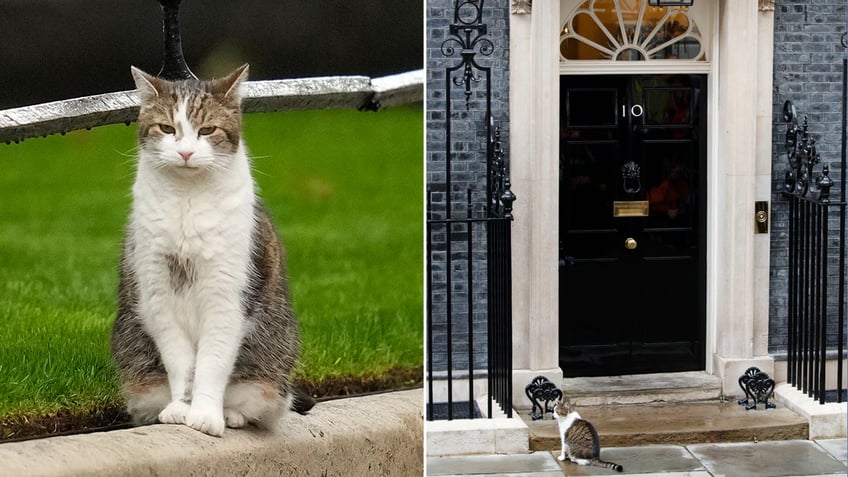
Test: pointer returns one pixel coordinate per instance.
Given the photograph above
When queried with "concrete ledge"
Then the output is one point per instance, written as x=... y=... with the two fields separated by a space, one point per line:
x=827 y=421
x=372 y=435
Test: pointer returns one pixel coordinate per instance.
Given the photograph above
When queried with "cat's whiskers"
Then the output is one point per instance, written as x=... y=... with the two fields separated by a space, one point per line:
x=131 y=153
x=261 y=172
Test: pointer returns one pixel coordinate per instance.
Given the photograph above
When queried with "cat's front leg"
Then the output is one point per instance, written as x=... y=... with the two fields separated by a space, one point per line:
x=216 y=355
x=563 y=451
x=178 y=357
x=177 y=354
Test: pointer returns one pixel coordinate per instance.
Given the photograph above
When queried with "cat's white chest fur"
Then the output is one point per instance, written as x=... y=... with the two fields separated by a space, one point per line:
x=564 y=423
x=205 y=226
x=200 y=224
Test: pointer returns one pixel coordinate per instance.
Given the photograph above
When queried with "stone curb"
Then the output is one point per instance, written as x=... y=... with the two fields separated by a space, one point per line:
x=372 y=435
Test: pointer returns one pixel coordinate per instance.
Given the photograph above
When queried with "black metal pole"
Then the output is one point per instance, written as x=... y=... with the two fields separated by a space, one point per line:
x=824 y=215
x=429 y=330
x=805 y=297
x=174 y=67
x=792 y=319
x=469 y=247
x=840 y=344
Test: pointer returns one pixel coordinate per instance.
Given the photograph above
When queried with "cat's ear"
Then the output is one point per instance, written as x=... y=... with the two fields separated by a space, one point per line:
x=148 y=85
x=230 y=85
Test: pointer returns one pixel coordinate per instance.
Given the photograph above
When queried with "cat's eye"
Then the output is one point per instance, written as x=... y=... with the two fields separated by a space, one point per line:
x=207 y=130
x=167 y=129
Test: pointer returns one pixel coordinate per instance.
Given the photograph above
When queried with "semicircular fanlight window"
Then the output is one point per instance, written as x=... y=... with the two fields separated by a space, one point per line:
x=630 y=30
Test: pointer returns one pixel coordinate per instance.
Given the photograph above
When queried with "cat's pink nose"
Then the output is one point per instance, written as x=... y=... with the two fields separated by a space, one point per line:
x=185 y=155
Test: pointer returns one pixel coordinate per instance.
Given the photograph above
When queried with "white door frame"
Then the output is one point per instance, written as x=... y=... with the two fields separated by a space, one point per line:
x=738 y=173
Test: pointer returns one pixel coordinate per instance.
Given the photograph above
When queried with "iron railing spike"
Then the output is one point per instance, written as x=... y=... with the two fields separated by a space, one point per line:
x=174 y=67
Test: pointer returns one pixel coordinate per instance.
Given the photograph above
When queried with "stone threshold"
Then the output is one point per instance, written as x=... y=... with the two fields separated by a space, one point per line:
x=667 y=408
x=372 y=435
x=677 y=423
x=643 y=388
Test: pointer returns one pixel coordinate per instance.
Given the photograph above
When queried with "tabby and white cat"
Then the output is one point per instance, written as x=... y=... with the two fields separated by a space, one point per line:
x=205 y=334
x=580 y=442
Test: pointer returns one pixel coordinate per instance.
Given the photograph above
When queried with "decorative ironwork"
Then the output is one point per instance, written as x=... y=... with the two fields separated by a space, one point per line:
x=801 y=153
x=631 y=177
x=174 y=66
x=500 y=195
x=455 y=244
x=810 y=289
x=541 y=388
x=758 y=388
x=468 y=36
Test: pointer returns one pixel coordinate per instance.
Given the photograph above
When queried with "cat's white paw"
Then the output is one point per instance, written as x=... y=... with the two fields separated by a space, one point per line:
x=208 y=420
x=561 y=458
x=234 y=419
x=174 y=413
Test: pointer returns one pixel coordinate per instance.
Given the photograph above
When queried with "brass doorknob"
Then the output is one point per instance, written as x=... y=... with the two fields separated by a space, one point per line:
x=630 y=243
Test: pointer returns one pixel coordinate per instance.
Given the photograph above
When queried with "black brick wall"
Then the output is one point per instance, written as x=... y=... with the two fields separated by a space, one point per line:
x=807 y=70
x=468 y=138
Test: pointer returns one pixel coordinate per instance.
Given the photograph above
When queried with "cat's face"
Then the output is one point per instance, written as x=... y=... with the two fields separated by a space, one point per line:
x=562 y=408
x=189 y=126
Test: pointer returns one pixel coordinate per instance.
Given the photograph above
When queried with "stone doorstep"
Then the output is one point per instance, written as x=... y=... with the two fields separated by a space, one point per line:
x=675 y=423
x=667 y=408
x=371 y=435
x=642 y=388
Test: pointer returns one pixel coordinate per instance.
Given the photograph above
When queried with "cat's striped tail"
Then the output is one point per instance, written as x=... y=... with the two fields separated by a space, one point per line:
x=608 y=465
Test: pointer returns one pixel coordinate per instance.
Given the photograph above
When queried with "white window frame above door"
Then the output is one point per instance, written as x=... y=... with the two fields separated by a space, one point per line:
x=702 y=14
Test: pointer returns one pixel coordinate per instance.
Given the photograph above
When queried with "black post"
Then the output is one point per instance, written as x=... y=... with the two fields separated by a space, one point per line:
x=174 y=67
x=469 y=247
x=429 y=331
x=840 y=334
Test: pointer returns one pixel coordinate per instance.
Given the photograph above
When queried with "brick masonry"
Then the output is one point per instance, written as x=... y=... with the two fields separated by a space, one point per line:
x=467 y=195
x=808 y=58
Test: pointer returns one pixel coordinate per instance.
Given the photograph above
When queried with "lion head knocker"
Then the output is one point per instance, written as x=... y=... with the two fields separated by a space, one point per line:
x=631 y=177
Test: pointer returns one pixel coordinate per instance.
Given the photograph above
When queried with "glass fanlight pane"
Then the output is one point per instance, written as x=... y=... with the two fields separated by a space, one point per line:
x=629 y=30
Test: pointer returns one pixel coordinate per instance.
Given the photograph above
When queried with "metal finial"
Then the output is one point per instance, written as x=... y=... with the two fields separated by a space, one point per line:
x=174 y=67
x=824 y=185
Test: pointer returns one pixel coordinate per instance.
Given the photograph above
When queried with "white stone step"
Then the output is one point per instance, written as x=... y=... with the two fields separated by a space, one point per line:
x=642 y=388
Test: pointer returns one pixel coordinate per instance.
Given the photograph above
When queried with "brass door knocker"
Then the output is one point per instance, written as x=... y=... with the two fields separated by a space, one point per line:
x=631 y=177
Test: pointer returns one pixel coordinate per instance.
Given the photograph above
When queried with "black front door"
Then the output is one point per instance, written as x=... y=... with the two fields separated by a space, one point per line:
x=632 y=224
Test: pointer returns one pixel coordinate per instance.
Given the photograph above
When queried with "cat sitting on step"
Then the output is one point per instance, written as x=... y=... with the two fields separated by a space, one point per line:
x=205 y=333
x=580 y=442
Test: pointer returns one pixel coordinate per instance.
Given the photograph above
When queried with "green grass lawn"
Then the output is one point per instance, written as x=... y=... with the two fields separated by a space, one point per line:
x=344 y=187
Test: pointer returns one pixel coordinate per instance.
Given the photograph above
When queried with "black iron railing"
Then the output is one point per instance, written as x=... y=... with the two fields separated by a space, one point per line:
x=457 y=275
x=816 y=279
x=469 y=308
